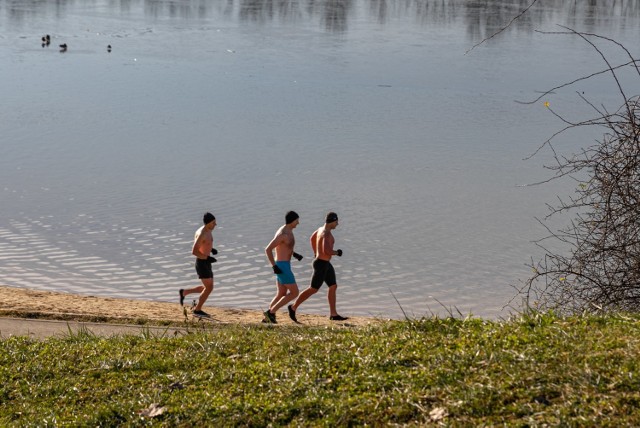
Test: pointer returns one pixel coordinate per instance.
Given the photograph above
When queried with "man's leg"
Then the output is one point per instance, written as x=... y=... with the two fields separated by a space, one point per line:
x=280 y=293
x=303 y=296
x=197 y=289
x=317 y=278
x=270 y=313
x=331 y=296
x=207 y=288
x=293 y=293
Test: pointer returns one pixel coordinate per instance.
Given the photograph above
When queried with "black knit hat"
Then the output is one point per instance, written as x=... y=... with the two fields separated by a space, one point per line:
x=291 y=216
x=208 y=218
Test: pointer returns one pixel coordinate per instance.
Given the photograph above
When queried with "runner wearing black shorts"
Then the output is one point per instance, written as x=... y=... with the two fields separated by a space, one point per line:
x=202 y=247
x=323 y=271
x=203 y=268
x=322 y=242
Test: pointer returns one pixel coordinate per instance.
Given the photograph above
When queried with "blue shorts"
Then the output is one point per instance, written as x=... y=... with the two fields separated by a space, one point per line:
x=286 y=277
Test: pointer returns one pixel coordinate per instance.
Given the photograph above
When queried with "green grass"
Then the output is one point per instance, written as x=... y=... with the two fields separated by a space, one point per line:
x=533 y=371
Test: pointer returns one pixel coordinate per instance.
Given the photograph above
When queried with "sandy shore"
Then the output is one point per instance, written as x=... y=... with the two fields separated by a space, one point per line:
x=27 y=303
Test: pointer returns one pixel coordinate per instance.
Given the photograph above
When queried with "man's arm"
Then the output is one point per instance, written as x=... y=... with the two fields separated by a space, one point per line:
x=195 y=250
x=314 y=243
x=272 y=245
x=327 y=245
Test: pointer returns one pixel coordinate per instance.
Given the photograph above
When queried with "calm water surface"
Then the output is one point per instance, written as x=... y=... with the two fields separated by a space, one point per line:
x=251 y=108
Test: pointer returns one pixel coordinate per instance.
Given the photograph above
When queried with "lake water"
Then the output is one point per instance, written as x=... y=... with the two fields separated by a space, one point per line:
x=371 y=108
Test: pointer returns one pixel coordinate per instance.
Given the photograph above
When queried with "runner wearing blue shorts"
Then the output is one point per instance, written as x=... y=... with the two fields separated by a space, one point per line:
x=282 y=244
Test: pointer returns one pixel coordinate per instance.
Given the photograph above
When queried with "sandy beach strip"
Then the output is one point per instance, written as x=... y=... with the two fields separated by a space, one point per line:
x=38 y=304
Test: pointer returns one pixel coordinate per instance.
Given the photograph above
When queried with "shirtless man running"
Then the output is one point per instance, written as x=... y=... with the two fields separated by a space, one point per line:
x=322 y=242
x=283 y=243
x=202 y=246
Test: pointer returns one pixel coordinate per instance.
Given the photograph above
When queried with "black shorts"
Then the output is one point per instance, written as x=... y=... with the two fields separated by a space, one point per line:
x=322 y=272
x=203 y=268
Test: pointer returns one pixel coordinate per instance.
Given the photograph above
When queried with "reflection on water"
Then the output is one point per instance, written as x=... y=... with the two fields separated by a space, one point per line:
x=481 y=18
x=251 y=108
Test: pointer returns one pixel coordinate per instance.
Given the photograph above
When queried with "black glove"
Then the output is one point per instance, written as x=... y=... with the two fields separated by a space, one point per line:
x=214 y=251
x=297 y=256
x=276 y=269
x=211 y=259
x=339 y=253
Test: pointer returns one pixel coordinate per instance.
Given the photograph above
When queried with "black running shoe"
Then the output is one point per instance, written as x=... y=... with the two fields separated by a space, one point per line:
x=292 y=313
x=338 y=318
x=201 y=314
x=270 y=317
x=181 y=292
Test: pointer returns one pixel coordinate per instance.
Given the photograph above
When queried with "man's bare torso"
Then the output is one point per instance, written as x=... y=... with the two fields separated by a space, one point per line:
x=322 y=243
x=284 y=249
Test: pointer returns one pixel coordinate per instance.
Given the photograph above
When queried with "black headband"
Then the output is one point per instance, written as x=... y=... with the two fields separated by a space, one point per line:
x=331 y=217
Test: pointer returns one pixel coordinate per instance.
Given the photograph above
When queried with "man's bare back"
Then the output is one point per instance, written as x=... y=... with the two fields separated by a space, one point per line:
x=202 y=242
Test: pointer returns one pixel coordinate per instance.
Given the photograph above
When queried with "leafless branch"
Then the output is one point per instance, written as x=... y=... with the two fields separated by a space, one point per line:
x=597 y=267
x=503 y=28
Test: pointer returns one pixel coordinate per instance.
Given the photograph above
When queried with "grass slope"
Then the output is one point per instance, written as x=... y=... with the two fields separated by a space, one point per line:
x=535 y=370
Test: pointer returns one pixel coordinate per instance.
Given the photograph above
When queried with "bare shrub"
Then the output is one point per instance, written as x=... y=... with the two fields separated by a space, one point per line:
x=599 y=266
